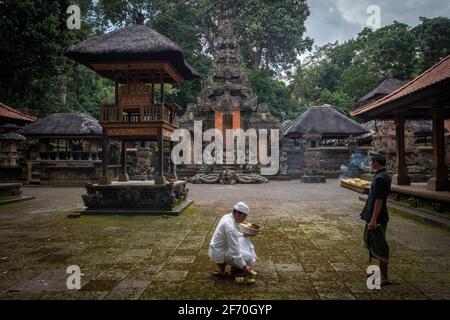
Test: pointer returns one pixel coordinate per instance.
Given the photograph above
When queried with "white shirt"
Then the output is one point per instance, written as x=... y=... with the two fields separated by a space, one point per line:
x=224 y=245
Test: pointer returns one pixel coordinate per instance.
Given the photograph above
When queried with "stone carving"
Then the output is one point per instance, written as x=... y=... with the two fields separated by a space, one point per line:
x=92 y=198
x=384 y=138
x=128 y=195
x=251 y=178
x=227 y=101
x=312 y=163
x=143 y=169
x=229 y=177
x=226 y=87
x=283 y=163
x=139 y=197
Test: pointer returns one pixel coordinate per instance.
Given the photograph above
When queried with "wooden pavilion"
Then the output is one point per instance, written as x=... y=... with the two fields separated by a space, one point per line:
x=425 y=97
x=137 y=59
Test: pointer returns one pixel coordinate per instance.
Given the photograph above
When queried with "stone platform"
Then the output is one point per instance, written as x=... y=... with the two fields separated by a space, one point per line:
x=136 y=197
x=10 y=192
x=313 y=179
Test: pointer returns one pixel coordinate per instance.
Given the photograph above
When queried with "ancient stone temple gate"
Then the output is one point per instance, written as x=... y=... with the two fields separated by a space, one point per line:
x=140 y=61
x=227 y=101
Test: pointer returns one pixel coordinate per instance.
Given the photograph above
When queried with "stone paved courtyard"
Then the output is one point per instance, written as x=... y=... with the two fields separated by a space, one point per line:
x=310 y=248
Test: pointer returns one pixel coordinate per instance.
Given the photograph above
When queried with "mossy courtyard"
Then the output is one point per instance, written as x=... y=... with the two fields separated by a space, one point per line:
x=310 y=248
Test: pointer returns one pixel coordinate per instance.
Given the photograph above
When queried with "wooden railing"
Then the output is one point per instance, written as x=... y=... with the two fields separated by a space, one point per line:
x=69 y=155
x=158 y=112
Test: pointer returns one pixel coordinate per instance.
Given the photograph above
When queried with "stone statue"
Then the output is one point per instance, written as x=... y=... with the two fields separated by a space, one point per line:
x=283 y=163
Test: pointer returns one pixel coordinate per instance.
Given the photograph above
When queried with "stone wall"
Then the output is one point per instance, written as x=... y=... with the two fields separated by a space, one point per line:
x=330 y=158
x=295 y=155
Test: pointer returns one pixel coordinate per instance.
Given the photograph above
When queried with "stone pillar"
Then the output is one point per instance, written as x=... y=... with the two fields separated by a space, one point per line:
x=401 y=178
x=123 y=176
x=439 y=178
x=160 y=179
x=105 y=178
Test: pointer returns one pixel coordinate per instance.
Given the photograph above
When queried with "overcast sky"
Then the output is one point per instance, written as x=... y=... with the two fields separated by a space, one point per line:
x=332 y=20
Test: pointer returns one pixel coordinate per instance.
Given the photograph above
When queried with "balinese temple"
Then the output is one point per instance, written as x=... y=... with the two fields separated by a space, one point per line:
x=424 y=98
x=138 y=60
x=227 y=100
x=321 y=134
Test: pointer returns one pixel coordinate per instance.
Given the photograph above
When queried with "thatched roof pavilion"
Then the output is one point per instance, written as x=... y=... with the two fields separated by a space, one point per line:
x=326 y=121
x=12 y=136
x=133 y=43
x=64 y=125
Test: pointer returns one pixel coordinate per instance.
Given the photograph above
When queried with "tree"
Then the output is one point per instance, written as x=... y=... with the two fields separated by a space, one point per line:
x=34 y=36
x=271 y=32
x=389 y=50
x=341 y=73
x=433 y=40
x=273 y=92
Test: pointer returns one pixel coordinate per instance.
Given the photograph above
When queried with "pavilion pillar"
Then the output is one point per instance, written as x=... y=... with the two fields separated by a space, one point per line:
x=401 y=177
x=123 y=176
x=173 y=167
x=41 y=148
x=160 y=179
x=89 y=150
x=57 y=149
x=105 y=178
x=439 y=179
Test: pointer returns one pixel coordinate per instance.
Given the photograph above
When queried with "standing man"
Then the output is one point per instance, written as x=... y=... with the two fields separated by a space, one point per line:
x=375 y=214
x=230 y=246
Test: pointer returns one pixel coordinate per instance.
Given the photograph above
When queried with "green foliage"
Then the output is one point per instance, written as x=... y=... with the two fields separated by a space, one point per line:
x=337 y=98
x=36 y=74
x=433 y=40
x=273 y=92
x=340 y=74
x=180 y=23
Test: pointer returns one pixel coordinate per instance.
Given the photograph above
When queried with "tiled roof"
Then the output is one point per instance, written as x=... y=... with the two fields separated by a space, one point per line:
x=8 y=112
x=437 y=73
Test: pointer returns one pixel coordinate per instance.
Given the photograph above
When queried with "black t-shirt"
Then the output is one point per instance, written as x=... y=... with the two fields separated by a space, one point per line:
x=379 y=189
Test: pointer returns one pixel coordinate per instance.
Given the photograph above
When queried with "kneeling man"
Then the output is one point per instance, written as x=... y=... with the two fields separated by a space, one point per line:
x=229 y=245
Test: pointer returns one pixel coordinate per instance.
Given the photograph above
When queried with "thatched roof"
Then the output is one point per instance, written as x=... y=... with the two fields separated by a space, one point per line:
x=12 y=136
x=133 y=43
x=62 y=125
x=383 y=89
x=324 y=120
x=285 y=125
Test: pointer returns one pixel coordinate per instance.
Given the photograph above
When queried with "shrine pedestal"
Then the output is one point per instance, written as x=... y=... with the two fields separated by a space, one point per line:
x=136 y=198
x=10 y=193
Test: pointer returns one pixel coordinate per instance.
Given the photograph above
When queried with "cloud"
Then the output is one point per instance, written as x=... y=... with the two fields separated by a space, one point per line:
x=340 y=20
